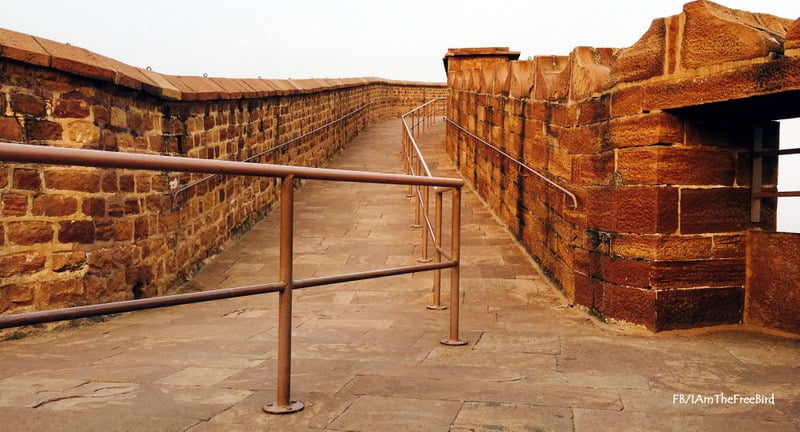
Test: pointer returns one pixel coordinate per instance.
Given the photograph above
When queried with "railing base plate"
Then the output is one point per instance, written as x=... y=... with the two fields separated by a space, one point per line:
x=424 y=260
x=436 y=307
x=453 y=342
x=274 y=408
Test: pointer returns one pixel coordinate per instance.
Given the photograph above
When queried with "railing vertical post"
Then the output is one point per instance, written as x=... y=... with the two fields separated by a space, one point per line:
x=455 y=272
x=426 y=192
x=283 y=404
x=437 y=254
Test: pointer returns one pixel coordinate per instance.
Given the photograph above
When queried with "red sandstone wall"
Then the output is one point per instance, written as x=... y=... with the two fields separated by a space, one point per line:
x=649 y=141
x=773 y=281
x=71 y=235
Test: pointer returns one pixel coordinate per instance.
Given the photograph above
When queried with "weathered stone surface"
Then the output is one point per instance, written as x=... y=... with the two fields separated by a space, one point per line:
x=76 y=231
x=72 y=180
x=28 y=104
x=54 y=205
x=43 y=130
x=21 y=264
x=681 y=308
x=771 y=300
x=714 y=210
x=715 y=34
x=686 y=274
x=29 y=233
x=27 y=179
x=677 y=165
x=644 y=59
x=10 y=129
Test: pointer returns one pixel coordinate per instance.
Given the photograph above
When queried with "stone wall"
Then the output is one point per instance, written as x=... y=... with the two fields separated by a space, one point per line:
x=772 y=296
x=656 y=142
x=72 y=235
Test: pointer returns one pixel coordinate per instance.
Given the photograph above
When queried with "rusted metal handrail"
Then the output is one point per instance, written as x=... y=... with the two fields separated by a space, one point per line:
x=520 y=164
x=102 y=159
x=415 y=164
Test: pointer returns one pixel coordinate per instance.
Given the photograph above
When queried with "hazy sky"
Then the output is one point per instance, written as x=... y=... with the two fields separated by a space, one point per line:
x=347 y=38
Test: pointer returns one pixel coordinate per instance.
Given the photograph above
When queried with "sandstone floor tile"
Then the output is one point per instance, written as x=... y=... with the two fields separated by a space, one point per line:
x=37 y=420
x=590 y=420
x=397 y=414
x=487 y=417
x=198 y=376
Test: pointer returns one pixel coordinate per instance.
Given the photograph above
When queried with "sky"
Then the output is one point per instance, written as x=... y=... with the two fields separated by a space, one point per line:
x=402 y=40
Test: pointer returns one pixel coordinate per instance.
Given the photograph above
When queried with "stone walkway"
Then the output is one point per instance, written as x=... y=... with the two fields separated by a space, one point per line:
x=366 y=355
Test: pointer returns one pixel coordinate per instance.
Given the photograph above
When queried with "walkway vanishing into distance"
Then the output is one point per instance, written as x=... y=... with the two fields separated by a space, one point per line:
x=366 y=355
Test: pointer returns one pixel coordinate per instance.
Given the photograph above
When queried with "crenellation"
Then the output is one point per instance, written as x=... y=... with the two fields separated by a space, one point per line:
x=649 y=140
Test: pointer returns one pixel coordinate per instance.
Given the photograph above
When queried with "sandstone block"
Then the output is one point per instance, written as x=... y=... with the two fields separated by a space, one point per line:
x=14 y=204
x=770 y=273
x=21 y=264
x=792 y=40
x=83 y=132
x=715 y=34
x=620 y=271
x=589 y=73
x=714 y=210
x=675 y=165
x=43 y=130
x=594 y=110
x=662 y=247
x=71 y=108
x=644 y=59
x=10 y=129
x=29 y=233
x=68 y=261
x=627 y=101
x=634 y=305
x=683 y=308
x=641 y=210
x=76 y=231
x=73 y=180
x=552 y=78
x=28 y=104
x=54 y=205
x=59 y=292
x=687 y=274
x=593 y=169
x=27 y=179
x=522 y=78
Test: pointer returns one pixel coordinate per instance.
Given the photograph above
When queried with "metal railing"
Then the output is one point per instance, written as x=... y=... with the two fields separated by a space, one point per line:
x=415 y=122
x=758 y=167
x=520 y=164
x=283 y=404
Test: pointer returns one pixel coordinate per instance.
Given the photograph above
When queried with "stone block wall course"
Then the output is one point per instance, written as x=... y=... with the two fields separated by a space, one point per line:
x=74 y=235
x=655 y=141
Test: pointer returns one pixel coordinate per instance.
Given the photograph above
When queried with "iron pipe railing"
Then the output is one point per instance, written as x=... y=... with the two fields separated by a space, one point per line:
x=101 y=159
x=520 y=164
x=413 y=123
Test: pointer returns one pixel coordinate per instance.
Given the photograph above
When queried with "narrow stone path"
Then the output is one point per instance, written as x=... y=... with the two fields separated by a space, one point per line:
x=366 y=355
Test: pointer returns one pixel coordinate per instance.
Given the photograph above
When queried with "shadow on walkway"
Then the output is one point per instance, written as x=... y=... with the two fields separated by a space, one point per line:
x=366 y=355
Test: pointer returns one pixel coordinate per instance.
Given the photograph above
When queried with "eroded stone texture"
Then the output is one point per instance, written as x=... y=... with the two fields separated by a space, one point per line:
x=772 y=297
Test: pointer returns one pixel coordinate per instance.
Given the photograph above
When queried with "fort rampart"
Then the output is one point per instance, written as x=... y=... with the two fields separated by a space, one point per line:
x=657 y=143
x=72 y=235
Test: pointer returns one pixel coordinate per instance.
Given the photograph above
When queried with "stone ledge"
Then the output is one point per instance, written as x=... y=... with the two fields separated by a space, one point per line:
x=82 y=62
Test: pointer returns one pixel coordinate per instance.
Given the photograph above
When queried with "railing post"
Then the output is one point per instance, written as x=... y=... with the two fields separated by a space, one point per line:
x=283 y=403
x=437 y=254
x=455 y=255
x=426 y=192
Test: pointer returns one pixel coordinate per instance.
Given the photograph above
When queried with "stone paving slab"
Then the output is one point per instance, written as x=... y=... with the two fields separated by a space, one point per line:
x=366 y=355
